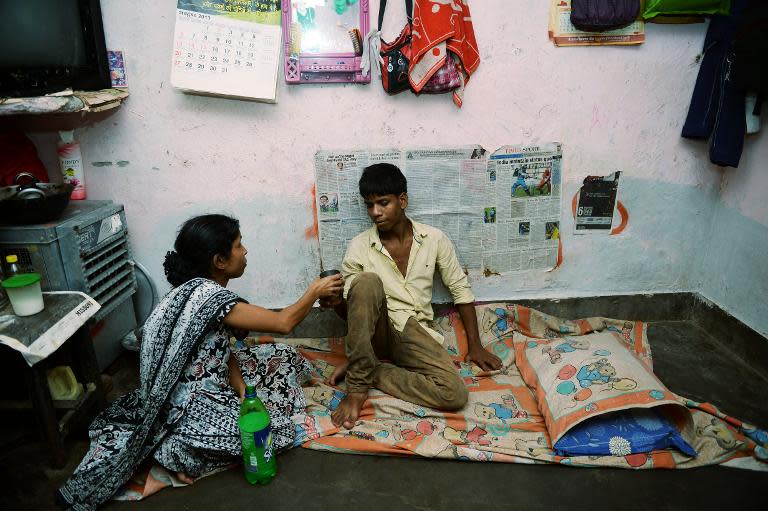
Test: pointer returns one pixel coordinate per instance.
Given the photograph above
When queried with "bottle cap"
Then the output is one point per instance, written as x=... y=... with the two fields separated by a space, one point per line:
x=250 y=391
x=13 y=258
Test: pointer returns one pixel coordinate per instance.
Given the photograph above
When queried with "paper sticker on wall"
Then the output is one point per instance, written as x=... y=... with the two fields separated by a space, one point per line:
x=595 y=203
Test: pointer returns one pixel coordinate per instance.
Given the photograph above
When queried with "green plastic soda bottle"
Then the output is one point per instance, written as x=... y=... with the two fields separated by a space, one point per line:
x=256 y=435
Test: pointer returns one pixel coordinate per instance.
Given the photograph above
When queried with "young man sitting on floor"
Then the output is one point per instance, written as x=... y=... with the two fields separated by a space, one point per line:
x=388 y=306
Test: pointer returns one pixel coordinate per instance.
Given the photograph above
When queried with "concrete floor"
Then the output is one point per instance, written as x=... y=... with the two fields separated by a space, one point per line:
x=687 y=359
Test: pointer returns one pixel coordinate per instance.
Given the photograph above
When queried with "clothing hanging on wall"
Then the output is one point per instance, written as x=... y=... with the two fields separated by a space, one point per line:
x=751 y=51
x=442 y=30
x=717 y=110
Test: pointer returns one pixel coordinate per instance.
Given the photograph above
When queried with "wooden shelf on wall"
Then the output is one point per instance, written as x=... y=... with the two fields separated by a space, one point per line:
x=65 y=111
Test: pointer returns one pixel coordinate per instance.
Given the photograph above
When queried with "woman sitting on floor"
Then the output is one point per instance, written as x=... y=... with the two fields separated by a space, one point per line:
x=184 y=413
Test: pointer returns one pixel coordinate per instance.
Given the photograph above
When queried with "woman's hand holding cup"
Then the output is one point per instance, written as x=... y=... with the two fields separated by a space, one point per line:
x=332 y=288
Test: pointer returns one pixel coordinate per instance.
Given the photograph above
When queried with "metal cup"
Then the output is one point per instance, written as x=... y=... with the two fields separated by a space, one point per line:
x=328 y=273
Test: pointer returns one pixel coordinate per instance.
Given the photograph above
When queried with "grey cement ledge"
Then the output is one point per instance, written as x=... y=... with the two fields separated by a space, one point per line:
x=742 y=341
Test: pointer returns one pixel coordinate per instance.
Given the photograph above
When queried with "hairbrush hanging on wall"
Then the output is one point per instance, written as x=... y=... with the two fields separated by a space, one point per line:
x=357 y=41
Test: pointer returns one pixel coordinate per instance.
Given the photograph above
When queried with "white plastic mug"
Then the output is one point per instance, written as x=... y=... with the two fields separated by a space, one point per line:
x=25 y=293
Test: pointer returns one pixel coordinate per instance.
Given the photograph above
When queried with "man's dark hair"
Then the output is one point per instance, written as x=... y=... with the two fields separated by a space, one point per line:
x=382 y=179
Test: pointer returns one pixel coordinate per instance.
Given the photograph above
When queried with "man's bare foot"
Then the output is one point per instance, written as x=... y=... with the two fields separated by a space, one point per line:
x=348 y=411
x=184 y=478
x=338 y=373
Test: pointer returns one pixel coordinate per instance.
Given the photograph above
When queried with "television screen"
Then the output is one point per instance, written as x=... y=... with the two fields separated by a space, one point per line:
x=51 y=45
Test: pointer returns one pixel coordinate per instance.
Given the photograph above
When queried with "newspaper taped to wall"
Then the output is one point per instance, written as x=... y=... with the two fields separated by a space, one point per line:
x=522 y=228
x=480 y=203
x=563 y=33
x=597 y=201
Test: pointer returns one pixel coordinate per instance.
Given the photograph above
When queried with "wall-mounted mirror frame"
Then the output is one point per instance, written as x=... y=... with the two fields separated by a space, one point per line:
x=323 y=40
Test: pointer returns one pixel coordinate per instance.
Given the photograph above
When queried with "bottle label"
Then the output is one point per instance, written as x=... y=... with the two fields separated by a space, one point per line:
x=268 y=446
x=71 y=163
x=263 y=439
x=255 y=446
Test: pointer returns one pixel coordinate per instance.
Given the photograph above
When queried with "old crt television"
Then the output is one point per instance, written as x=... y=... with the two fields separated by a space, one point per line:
x=51 y=45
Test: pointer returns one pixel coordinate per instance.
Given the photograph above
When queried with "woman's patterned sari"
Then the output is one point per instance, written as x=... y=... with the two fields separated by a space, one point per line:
x=184 y=412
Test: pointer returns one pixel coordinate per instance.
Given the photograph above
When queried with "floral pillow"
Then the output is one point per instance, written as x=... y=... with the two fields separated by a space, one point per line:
x=639 y=430
x=580 y=377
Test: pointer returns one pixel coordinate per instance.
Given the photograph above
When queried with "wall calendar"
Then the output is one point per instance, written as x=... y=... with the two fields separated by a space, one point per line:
x=227 y=48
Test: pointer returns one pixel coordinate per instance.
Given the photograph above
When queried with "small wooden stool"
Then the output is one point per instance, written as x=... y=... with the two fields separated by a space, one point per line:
x=58 y=335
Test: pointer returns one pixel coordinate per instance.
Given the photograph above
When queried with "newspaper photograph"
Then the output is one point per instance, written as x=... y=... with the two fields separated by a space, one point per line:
x=458 y=190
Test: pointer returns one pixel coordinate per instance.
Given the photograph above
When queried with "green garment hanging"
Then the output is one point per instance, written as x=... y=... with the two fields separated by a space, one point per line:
x=655 y=8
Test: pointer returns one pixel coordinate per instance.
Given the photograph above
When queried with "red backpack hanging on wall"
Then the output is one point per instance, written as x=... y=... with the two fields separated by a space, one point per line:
x=436 y=74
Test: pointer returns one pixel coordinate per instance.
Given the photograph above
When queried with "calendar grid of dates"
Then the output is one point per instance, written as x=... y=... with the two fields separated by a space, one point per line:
x=211 y=45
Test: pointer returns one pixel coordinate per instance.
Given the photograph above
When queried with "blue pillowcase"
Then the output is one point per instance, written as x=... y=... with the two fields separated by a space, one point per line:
x=639 y=430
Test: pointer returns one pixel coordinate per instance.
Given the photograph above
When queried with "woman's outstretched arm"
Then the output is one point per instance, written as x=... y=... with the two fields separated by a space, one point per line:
x=254 y=318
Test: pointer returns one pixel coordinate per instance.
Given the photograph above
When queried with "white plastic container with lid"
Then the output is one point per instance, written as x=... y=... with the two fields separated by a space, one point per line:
x=25 y=293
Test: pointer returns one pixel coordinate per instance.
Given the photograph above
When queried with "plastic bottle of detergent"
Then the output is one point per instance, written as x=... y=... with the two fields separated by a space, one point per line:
x=71 y=162
x=256 y=435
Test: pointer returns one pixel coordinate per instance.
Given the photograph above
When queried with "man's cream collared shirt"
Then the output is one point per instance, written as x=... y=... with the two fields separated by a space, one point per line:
x=409 y=296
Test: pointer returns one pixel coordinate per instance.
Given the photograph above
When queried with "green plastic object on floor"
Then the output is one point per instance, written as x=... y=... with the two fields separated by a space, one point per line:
x=256 y=435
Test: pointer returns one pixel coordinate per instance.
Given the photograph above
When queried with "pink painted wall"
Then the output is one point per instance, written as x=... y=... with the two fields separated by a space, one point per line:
x=613 y=108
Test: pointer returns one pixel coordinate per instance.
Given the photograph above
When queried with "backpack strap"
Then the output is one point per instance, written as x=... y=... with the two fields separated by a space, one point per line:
x=383 y=7
x=372 y=42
